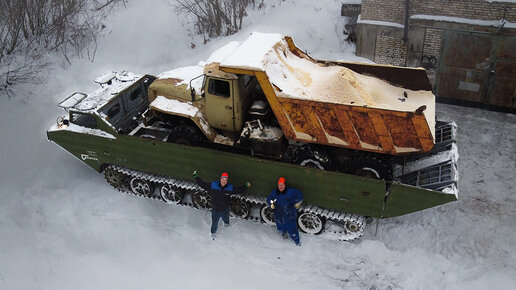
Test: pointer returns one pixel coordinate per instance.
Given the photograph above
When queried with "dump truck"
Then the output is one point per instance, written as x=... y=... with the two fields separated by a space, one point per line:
x=360 y=140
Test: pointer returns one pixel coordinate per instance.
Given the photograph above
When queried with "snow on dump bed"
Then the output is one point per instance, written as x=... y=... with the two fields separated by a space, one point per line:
x=253 y=52
x=301 y=78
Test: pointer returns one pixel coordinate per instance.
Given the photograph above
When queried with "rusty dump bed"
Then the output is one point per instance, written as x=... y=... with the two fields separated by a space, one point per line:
x=369 y=107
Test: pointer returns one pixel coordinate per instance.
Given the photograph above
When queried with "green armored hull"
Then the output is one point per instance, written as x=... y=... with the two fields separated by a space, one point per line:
x=325 y=189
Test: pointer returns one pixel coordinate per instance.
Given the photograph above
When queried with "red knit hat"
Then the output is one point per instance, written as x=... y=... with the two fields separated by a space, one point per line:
x=224 y=175
x=281 y=180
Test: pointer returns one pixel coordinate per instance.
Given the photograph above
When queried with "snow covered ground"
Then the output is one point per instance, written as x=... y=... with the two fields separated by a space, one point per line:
x=63 y=227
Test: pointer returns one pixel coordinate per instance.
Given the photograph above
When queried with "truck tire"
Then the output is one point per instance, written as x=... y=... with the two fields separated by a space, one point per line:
x=368 y=165
x=184 y=134
x=312 y=156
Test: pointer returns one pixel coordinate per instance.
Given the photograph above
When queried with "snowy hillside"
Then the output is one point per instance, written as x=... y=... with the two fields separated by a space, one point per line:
x=63 y=227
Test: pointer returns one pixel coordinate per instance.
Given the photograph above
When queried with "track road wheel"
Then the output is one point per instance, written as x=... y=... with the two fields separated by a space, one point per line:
x=239 y=208
x=201 y=199
x=310 y=223
x=170 y=194
x=267 y=215
x=354 y=227
x=141 y=187
x=113 y=177
x=370 y=166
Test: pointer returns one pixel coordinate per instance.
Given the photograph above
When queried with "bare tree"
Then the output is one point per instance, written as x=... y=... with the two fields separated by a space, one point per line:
x=32 y=29
x=215 y=17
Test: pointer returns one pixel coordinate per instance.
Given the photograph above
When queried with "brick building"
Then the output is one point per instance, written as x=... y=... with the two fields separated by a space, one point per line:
x=467 y=46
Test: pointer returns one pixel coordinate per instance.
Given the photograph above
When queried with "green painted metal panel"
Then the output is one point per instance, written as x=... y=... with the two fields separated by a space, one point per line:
x=331 y=190
x=404 y=199
x=326 y=189
x=93 y=150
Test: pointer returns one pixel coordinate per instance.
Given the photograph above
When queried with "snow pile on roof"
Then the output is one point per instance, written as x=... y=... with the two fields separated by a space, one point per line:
x=380 y=23
x=249 y=54
x=495 y=23
x=103 y=95
x=186 y=75
x=253 y=51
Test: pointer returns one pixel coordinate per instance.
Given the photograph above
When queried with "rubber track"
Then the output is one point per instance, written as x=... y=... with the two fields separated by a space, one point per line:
x=334 y=216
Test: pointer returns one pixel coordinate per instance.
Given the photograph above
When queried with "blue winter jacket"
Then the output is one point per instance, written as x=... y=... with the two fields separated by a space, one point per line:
x=284 y=206
x=220 y=196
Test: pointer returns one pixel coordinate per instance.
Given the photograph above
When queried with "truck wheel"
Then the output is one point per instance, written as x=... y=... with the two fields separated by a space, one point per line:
x=310 y=223
x=267 y=215
x=311 y=156
x=201 y=199
x=239 y=208
x=141 y=187
x=184 y=134
x=369 y=166
x=170 y=194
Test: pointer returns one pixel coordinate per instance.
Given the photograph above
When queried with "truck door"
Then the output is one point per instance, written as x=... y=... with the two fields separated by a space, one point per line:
x=220 y=104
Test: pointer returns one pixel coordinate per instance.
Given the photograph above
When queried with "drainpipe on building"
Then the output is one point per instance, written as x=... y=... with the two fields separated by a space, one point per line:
x=503 y=20
x=407 y=15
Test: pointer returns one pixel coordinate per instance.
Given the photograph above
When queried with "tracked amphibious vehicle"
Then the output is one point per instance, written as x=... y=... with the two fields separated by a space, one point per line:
x=359 y=140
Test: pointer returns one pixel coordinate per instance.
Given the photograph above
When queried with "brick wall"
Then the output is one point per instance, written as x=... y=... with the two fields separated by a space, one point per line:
x=394 y=10
x=391 y=10
x=432 y=48
x=390 y=50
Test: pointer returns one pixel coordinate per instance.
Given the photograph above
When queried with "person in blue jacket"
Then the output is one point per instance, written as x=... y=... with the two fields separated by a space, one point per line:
x=284 y=201
x=220 y=191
